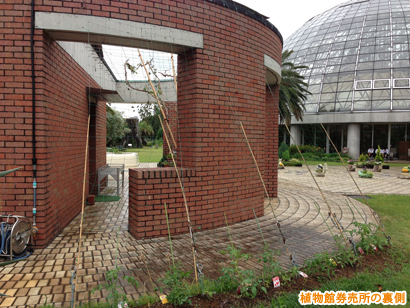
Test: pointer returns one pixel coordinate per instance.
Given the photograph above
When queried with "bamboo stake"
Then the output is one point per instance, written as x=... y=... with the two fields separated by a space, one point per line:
x=82 y=208
x=174 y=75
x=229 y=231
x=149 y=274
x=357 y=186
x=264 y=187
x=169 y=235
x=323 y=196
x=175 y=165
x=318 y=209
x=260 y=230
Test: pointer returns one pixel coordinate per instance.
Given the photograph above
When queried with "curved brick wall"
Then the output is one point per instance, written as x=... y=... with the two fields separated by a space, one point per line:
x=217 y=85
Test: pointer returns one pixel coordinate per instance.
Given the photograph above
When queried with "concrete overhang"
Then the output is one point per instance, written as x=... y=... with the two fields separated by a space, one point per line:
x=273 y=70
x=110 y=31
x=107 y=95
x=355 y=117
x=129 y=95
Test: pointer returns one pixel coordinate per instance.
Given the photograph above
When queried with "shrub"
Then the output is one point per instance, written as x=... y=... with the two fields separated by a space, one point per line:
x=363 y=158
x=293 y=162
x=150 y=143
x=283 y=147
x=285 y=155
x=379 y=156
x=305 y=149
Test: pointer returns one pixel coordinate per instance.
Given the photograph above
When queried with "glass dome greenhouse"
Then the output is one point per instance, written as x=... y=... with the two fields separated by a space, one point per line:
x=357 y=57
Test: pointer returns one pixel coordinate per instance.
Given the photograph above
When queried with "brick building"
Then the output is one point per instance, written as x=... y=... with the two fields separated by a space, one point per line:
x=228 y=72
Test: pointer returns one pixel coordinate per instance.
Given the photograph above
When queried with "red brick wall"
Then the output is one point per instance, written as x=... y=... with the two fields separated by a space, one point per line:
x=61 y=124
x=272 y=140
x=218 y=86
x=150 y=189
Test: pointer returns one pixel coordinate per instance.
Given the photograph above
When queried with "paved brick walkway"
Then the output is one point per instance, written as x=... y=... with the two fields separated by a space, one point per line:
x=46 y=274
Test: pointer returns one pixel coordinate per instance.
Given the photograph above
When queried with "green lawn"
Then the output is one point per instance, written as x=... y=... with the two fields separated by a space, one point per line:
x=394 y=211
x=148 y=155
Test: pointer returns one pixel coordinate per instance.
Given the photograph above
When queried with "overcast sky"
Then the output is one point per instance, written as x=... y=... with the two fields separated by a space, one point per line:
x=290 y=15
x=286 y=15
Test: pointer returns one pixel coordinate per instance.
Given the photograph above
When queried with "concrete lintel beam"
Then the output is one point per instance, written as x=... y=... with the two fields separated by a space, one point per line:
x=110 y=31
x=129 y=95
x=273 y=70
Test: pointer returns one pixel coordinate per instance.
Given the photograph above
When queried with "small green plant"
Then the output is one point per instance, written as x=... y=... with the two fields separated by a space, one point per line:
x=379 y=157
x=116 y=293
x=233 y=276
x=180 y=289
x=271 y=267
x=363 y=158
x=146 y=300
x=289 y=275
x=368 y=237
x=320 y=263
x=345 y=256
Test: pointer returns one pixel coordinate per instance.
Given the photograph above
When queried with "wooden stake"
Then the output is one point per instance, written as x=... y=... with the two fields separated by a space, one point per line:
x=313 y=177
x=82 y=210
x=174 y=75
x=149 y=274
x=175 y=165
x=263 y=183
x=357 y=186
x=169 y=235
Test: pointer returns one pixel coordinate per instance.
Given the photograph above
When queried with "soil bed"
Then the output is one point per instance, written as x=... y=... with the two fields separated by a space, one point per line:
x=375 y=261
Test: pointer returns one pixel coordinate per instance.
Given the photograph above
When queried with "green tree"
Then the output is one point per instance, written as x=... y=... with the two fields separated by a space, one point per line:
x=292 y=91
x=150 y=113
x=117 y=127
x=146 y=128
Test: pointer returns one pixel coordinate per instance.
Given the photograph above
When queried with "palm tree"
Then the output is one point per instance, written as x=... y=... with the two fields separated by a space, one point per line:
x=292 y=91
x=146 y=128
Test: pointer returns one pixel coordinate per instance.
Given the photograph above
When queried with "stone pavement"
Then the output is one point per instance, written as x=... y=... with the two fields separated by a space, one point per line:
x=338 y=180
x=45 y=276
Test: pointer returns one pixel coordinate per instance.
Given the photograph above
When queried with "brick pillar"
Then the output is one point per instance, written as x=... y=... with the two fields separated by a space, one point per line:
x=272 y=140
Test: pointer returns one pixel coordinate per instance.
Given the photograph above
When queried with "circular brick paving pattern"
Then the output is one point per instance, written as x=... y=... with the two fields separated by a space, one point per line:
x=46 y=274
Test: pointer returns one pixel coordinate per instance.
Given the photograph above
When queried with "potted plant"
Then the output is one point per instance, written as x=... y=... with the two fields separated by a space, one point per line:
x=321 y=170
x=377 y=166
x=281 y=165
x=362 y=160
x=365 y=173
x=351 y=166
x=405 y=173
x=378 y=160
